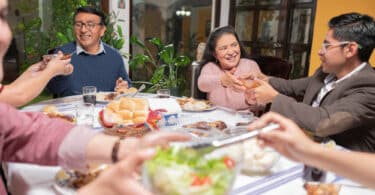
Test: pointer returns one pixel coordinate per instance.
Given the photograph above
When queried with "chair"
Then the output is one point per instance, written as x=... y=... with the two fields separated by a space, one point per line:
x=195 y=71
x=274 y=66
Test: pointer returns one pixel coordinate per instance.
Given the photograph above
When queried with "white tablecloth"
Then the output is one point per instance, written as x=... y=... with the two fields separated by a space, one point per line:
x=283 y=178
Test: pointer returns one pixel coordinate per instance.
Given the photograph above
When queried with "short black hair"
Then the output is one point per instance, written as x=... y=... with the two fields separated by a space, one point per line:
x=356 y=27
x=208 y=55
x=91 y=10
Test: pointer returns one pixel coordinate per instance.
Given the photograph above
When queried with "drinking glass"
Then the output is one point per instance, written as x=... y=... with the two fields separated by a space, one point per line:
x=85 y=114
x=89 y=94
x=163 y=93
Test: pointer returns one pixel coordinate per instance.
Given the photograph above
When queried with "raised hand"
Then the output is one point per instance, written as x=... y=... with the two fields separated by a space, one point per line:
x=264 y=93
x=230 y=81
x=289 y=139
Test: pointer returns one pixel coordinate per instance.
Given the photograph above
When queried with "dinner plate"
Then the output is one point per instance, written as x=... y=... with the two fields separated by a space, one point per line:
x=195 y=104
x=100 y=97
x=211 y=108
x=63 y=190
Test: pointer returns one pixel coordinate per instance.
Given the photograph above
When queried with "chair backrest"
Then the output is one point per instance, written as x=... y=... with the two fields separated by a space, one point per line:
x=195 y=71
x=274 y=66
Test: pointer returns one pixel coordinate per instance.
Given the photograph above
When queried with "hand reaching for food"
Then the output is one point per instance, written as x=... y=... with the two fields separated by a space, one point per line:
x=121 y=84
x=264 y=93
x=230 y=81
x=253 y=76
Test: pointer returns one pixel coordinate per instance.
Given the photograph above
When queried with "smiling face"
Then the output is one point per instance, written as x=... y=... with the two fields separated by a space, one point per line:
x=5 y=34
x=89 y=32
x=227 y=51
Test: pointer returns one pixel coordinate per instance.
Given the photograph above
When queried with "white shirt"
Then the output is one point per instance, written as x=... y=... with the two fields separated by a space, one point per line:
x=79 y=49
x=330 y=82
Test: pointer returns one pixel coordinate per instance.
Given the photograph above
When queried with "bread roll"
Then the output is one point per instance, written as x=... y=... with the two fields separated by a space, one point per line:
x=140 y=104
x=127 y=122
x=139 y=119
x=140 y=113
x=114 y=106
x=125 y=114
x=127 y=104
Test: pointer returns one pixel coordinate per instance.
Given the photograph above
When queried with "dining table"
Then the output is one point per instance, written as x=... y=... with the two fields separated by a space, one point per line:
x=285 y=177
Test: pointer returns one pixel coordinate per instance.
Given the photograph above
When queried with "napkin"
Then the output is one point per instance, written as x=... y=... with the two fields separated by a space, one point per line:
x=169 y=104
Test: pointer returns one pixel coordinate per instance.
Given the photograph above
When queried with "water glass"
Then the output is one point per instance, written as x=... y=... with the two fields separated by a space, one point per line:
x=85 y=114
x=163 y=93
x=89 y=94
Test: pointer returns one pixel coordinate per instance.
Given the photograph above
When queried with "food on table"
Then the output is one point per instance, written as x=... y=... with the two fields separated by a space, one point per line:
x=123 y=90
x=187 y=171
x=191 y=104
x=258 y=159
x=77 y=179
x=204 y=125
x=52 y=112
x=250 y=84
x=109 y=96
x=314 y=188
x=125 y=111
x=66 y=56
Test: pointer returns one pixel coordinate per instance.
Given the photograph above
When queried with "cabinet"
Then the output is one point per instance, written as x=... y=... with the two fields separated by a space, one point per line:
x=281 y=28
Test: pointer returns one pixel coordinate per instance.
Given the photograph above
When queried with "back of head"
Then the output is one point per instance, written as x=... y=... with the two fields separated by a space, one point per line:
x=357 y=28
x=91 y=10
x=209 y=51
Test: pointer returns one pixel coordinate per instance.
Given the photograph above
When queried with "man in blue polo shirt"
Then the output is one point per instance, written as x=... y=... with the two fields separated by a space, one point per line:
x=95 y=63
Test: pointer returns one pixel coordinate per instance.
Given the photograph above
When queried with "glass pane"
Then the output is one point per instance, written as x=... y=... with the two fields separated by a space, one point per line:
x=301 y=26
x=244 y=25
x=268 y=2
x=245 y=2
x=268 y=26
x=298 y=60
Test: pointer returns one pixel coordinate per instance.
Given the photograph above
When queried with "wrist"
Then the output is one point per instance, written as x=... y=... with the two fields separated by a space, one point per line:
x=126 y=146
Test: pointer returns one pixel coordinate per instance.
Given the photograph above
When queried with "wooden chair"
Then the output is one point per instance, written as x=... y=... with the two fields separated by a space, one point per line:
x=274 y=66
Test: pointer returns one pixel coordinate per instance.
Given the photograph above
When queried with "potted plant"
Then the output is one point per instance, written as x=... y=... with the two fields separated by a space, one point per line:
x=166 y=64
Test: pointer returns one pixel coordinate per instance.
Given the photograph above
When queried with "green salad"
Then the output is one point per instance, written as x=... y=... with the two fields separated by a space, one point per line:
x=186 y=171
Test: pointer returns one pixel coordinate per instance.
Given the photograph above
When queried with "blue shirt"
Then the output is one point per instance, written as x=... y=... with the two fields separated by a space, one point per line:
x=100 y=70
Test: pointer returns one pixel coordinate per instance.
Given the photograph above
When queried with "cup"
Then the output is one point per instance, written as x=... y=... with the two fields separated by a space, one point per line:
x=163 y=93
x=89 y=94
x=85 y=114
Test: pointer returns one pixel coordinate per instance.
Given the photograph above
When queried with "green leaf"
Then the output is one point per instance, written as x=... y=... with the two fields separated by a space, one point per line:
x=182 y=61
x=134 y=40
x=156 y=41
x=119 y=31
x=167 y=54
x=158 y=75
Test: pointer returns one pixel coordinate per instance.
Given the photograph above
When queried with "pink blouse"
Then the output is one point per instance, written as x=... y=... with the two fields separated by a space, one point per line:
x=209 y=82
x=32 y=137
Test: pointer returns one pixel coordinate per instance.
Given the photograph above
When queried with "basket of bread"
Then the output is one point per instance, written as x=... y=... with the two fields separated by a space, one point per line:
x=128 y=117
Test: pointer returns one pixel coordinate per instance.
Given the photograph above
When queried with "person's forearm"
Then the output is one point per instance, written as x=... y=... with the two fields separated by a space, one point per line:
x=357 y=166
x=26 y=87
x=103 y=154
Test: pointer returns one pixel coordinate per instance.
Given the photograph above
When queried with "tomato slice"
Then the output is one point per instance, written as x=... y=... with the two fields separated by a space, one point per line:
x=200 y=181
x=103 y=121
x=230 y=163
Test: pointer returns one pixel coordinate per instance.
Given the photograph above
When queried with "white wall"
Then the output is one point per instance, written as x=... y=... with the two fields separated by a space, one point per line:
x=123 y=19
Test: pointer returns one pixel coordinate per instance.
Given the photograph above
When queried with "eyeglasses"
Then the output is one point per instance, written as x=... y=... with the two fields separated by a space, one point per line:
x=89 y=25
x=224 y=49
x=326 y=46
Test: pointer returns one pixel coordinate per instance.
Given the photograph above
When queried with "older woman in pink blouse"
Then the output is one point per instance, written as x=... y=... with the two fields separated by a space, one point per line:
x=224 y=64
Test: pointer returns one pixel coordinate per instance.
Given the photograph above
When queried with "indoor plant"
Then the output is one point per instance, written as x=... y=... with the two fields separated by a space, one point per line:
x=166 y=64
